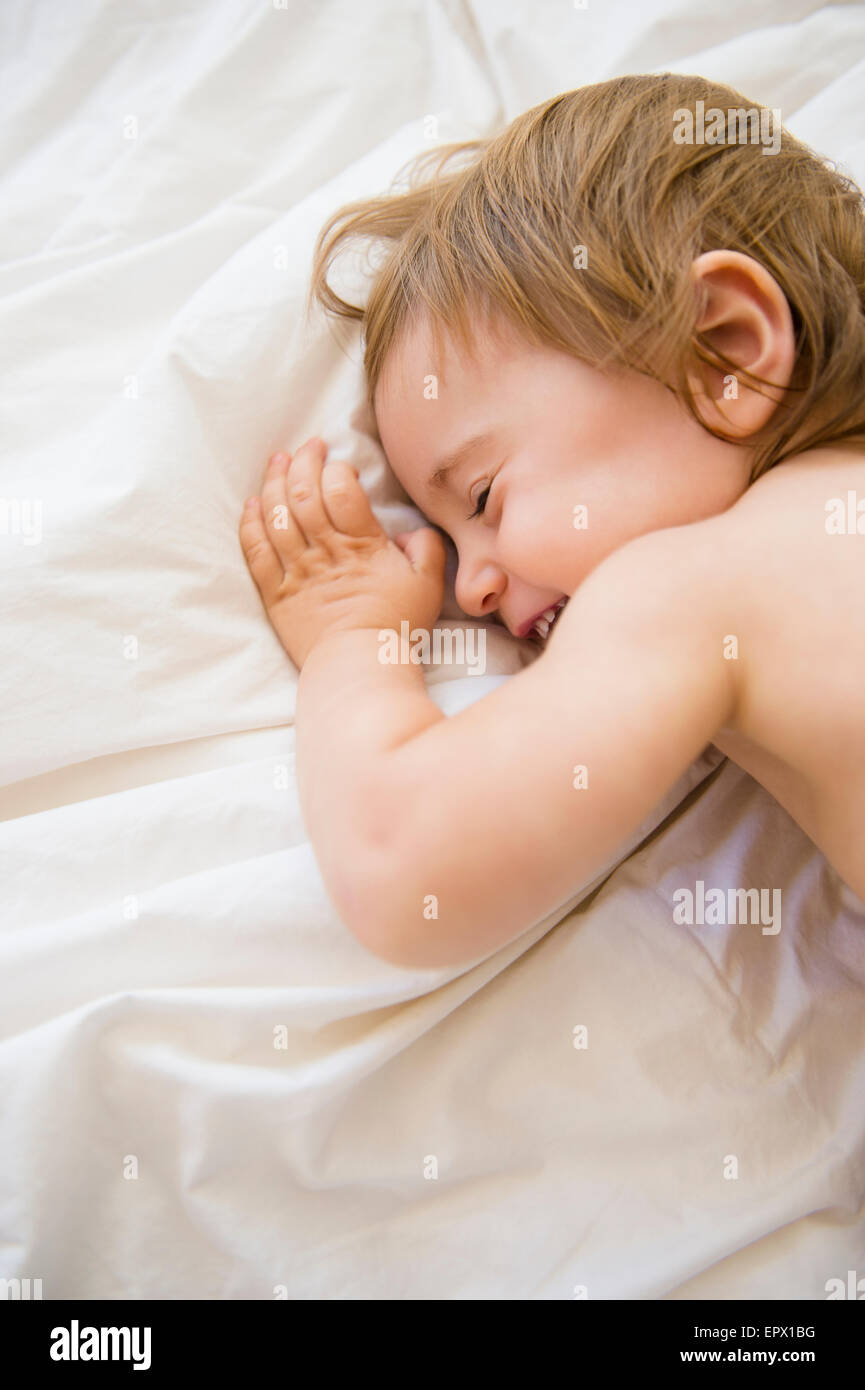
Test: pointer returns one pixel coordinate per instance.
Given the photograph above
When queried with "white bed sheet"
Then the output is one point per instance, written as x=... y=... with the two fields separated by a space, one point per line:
x=209 y=1089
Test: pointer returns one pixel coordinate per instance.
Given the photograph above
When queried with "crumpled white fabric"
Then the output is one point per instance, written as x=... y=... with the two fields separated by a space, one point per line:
x=209 y=1089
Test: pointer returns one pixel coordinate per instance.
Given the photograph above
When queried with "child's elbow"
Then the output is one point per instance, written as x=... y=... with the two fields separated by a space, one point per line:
x=385 y=915
x=371 y=904
x=384 y=897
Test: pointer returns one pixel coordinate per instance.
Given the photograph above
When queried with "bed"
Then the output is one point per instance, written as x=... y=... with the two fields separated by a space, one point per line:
x=209 y=1089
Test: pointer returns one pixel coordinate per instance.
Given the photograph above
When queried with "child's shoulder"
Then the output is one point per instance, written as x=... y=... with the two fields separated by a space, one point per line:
x=749 y=584
x=801 y=495
x=777 y=541
x=776 y=530
x=767 y=566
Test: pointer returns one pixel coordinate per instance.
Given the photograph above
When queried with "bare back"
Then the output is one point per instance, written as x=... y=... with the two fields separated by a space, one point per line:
x=797 y=599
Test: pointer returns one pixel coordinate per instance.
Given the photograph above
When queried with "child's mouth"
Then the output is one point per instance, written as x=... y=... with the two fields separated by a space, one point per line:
x=541 y=627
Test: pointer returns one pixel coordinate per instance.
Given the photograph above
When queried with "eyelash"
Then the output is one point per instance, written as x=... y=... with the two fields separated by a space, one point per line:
x=480 y=509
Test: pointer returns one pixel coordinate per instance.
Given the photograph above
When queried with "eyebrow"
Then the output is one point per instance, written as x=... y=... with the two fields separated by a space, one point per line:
x=439 y=477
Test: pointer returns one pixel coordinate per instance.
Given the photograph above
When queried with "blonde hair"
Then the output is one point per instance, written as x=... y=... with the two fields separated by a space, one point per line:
x=491 y=226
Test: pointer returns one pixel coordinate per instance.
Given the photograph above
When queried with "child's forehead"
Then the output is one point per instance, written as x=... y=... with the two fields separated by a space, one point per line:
x=430 y=353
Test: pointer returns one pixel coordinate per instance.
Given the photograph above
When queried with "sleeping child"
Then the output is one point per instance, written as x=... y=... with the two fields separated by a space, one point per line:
x=617 y=355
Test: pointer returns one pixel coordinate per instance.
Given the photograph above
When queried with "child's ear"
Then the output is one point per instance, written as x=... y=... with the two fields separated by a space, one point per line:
x=744 y=314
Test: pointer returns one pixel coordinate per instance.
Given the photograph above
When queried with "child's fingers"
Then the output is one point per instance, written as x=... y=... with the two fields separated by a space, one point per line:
x=425 y=550
x=346 y=502
x=285 y=535
x=263 y=562
x=303 y=486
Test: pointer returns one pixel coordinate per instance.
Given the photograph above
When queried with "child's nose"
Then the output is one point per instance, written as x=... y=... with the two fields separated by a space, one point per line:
x=479 y=593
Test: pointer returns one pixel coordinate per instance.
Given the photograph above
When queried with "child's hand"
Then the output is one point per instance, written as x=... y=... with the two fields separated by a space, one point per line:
x=323 y=562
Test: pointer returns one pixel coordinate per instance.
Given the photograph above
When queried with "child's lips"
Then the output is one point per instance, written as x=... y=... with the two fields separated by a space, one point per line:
x=527 y=627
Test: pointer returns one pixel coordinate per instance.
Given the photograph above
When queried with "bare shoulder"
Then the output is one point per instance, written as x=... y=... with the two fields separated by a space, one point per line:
x=631 y=687
x=793 y=501
x=665 y=588
x=743 y=570
x=651 y=636
x=775 y=550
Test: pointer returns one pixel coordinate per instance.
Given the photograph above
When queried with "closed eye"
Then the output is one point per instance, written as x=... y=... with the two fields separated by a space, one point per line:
x=481 y=503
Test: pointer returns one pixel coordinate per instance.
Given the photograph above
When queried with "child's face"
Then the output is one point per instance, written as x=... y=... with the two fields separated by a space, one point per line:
x=561 y=436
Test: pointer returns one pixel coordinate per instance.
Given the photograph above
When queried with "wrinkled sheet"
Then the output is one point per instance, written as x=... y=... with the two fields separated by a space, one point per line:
x=209 y=1089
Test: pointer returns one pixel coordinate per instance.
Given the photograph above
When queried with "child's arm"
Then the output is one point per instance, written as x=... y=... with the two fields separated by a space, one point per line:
x=476 y=826
x=438 y=839
x=350 y=712
x=331 y=581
